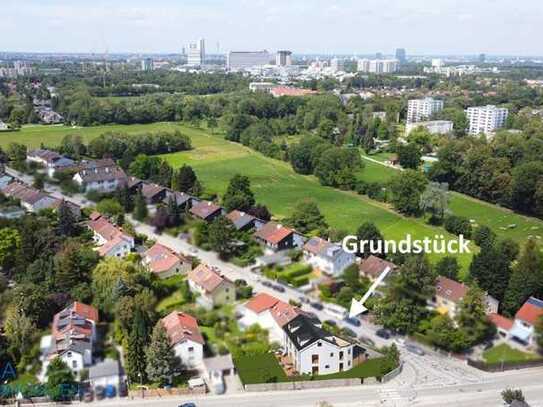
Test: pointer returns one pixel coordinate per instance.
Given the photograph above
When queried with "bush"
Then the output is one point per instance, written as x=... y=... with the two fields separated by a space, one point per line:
x=458 y=225
x=300 y=281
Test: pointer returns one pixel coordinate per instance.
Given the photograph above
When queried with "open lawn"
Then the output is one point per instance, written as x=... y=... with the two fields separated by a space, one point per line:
x=506 y=353
x=501 y=220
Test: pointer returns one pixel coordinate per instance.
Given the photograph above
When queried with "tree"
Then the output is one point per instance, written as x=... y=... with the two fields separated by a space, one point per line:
x=336 y=167
x=160 y=357
x=525 y=180
x=483 y=235
x=444 y=334
x=238 y=194
x=185 y=180
x=510 y=395
x=73 y=266
x=222 y=235
x=472 y=318
x=140 y=207
x=67 y=223
x=435 y=200
x=20 y=332
x=60 y=381
x=136 y=344
x=39 y=181
x=539 y=332
x=407 y=188
x=161 y=219
x=404 y=304
x=409 y=156
x=526 y=278
x=490 y=268
x=368 y=232
x=10 y=243
x=448 y=267
x=306 y=217
x=109 y=207
x=260 y=212
x=212 y=124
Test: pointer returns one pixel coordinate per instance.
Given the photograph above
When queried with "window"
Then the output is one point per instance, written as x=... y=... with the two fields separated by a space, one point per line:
x=314 y=359
x=341 y=355
x=319 y=344
x=191 y=349
x=74 y=364
x=69 y=354
x=327 y=366
x=332 y=354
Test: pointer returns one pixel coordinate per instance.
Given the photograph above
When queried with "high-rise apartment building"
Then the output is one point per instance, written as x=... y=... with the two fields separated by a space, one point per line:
x=337 y=65
x=377 y=66
x=401 y=56
x=147 y=64
x=283 y=58
x=486 y=119
x=422 y=109
x=196 y=53
x=236 y=60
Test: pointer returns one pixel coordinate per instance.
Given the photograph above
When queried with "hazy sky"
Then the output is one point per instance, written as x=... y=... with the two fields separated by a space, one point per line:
x=327 y=26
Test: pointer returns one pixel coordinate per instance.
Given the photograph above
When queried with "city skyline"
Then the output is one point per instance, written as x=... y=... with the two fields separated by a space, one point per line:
x=340 y=27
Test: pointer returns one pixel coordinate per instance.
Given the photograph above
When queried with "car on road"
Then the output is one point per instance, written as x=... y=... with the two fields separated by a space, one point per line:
x=304 y=300
x=267 y=283
x=414 y=349
x=349 y=332
x=399 y=341
x=353 y=321
x=383 y=333
x=279 y=288
x=187 y=405
x=193 y=250
x=317 y=306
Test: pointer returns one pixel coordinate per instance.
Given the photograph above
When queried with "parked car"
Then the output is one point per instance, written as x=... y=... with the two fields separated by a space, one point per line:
x=304 y=300
x=217 y=382
x=414 y=349
x=365 y=339
x=353 y=321
x=383 y=333
x=399 y=341
x=187 y=405
x=279 y=288
x=99 y=393
x=88 y=397
x=330 y=322
x=349 y=332
x=317 y=306
x=110 y=391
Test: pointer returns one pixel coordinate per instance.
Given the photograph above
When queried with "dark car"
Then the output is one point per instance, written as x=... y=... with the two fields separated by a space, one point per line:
x=99 y=393
x=349 y=332
x=187 y=405
x=317 y=306
x=365 y=339
x=279 y=288
x=414 y=349
x=353 y=321
x=330 y=322
x=304 y=300
x=267 y=283
x=383 y=333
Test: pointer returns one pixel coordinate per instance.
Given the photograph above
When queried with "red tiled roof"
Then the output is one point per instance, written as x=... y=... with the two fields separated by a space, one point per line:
x=373 y=266
x=261 y=302
x=283 y=313
x=104 y=228
x=160 y=258
x=181 y=327
x=206 y=277
x=500 y=321
x=531 y=311
x=290 y=91
x=450 y=289
x=273 y=232
x=149 y=190
x=86 y=311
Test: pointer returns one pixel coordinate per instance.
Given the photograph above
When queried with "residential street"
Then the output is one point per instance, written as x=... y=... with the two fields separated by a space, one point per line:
x=429 y=380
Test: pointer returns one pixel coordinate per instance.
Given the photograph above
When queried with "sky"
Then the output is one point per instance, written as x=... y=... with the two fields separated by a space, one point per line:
x=494 y=27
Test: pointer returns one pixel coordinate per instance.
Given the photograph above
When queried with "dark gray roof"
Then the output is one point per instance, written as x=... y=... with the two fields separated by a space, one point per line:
x=303 y=332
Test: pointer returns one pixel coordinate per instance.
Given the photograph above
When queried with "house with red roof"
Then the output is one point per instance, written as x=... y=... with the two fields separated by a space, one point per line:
x=110 y=239
x=73 y=334
x=212 y=287
x=269 y=313
x=164 y=262
x=185 y=337
x=275 y=237
x=449 y=294
x=525 y=321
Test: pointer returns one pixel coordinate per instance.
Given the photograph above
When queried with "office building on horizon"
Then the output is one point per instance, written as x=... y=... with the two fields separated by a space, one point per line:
x=401 y=55
x=283 y=58
x=196 y=53
x=237 y=60
x=377 y=66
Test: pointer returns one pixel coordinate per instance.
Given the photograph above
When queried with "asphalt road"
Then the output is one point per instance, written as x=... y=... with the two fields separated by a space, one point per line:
x=429 y=380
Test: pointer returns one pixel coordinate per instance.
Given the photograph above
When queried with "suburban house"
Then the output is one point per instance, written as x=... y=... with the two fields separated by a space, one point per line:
x=73 y=336
x=50 y=160
x=521 y=329
x=327 y=257
x=372 y=267
x=275 y=237
x=109 y=372
x=206 y=210
x=312 y=350
x=110 y=239
x=269 y=313
x=133 y=184
x=449 y=294
x=185 y=338
x=213 y=288
x=152 y=193
x=31 y=199
x=3 y=126
x=100 y=175
x=242 y=221
x=182 y=200
x=164 y=262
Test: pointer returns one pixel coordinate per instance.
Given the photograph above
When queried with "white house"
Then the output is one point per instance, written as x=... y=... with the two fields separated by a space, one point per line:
x=107 y=373
x=30 y=198
x=525 y=321
x=110 y=239
x=50 y=160
x=100 y=175
x=312 y=350
x=328 y=257
x=185 y=337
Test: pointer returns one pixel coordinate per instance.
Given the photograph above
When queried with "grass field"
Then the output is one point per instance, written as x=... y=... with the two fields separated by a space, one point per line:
x=506 y=353
x=480 y=212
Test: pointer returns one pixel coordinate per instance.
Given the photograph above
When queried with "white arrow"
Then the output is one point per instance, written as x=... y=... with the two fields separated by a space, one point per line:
x=357 y=307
